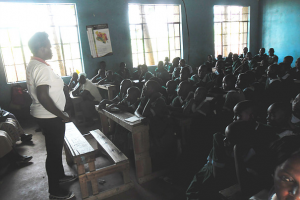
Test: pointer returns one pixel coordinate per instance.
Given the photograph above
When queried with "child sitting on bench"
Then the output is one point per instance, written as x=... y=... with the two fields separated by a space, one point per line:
x=171 y=91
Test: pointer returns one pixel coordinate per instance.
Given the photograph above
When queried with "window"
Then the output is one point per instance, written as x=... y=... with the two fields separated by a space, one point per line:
x=155 y=32
x=231 y=26
x=23 y=20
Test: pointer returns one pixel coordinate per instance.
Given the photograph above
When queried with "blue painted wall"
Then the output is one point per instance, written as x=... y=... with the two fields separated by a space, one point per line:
x=115 y=14
x=281 y=27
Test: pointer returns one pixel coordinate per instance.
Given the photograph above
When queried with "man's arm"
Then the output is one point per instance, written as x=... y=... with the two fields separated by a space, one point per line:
x=47 y=102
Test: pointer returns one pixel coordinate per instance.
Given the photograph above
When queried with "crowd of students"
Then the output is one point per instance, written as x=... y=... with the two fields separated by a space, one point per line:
x=241 y=117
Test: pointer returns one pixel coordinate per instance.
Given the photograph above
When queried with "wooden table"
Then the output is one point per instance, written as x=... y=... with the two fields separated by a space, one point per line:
x=141 y=143
x=110 y=89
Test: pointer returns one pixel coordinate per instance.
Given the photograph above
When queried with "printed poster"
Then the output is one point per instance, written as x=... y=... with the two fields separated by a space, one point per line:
x=99 y=40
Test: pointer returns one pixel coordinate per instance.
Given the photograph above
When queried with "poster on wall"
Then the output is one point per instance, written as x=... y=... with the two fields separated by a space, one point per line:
x=99 y=40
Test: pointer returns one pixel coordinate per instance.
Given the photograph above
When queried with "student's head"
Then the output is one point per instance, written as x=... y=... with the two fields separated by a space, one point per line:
x=167 y=59
x=220 y=57
x=144 y=68
x=139 y=68
x=160 y=65
x=288 y=59
x=281 y=69
x=245 y=111
x=175 y=62
x=184 y=73
x=133 y=93
x=272 y=71
x=200 y=94
x=249 y=55
x=242 y=81
x=171 y=87
x=245 y=50
x=297 y=63
x=296 y=106
x=228 y=82
x=182 y=62
x=202 y=71
x=279 y=114
x=102 y=65
x=271 y=52
x=122 y=66
x=284 y=159
x=220 y=66
x=209 y=58
x=82 y=78
x=125 y=84
x=238 y=132
x=157 y=80
x=235 y=57
x=150 y=87
x=183 y=89
x=230 y=55
x=75 y=76
x=40 y=46
x=109 y=74
x=262 y=51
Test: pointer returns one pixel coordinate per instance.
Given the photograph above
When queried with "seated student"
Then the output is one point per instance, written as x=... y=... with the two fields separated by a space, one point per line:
x=10 y=124
x=274 y=87
x=171 y=87
x=99 y=76
x=215 y=78
x=112 y=78
x=233 y=95
x=236 y=62
x=176 y=68
x=219 y=172
x=145 y=74
x=209 y=63
x=272 y=58
x=228 y=60
x=184 y=94
x=197 y=105
x=198 y=78
x=184 y=75
x=123 y=71
x=279 y=117
x=130 y=102
x=288 y=60
x=261 y=56
x=73 y=81
x=287 y=83
x=125 y=84
x=162 y=87
x=248 y=63
x=220 y=58
x=244 y=55
x=137 y=73
x=295 y=72
x=162 y=73
x=153 y=107
x=183 y=64
x=175 y=65
x=8 y=152
x=168 y=65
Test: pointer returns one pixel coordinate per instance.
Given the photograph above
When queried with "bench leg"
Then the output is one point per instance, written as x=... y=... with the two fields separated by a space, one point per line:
x=83 y=186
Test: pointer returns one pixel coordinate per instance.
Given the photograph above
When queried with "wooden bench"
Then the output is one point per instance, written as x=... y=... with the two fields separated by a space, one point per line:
x=79 y=151
x=110 y=89
x=141 y=143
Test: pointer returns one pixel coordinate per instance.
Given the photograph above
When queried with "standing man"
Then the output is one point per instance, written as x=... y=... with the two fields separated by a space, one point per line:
x=48 y=102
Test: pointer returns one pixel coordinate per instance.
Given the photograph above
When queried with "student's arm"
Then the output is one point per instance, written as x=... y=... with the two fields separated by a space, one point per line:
x=138 y=112
x=94 y=79
x=147 y=112
x=121 y=107
x=102 y=81
x=44 y=98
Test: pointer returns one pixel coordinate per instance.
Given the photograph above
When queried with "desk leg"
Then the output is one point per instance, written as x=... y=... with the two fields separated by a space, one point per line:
x=141 y=144
x=110 y=93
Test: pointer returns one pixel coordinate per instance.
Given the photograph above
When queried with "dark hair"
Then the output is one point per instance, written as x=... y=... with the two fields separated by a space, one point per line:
x=289 y=59
x=231 y=78
x=37 y=41
x=157 y=80
x=135 y=90
x=154 y=85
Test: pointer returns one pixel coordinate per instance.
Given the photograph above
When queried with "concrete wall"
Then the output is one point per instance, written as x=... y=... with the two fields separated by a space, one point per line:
x=280 y=21
x=115 y=14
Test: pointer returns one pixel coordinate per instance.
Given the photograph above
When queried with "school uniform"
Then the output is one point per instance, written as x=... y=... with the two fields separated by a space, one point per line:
x=235 y=65
x=252 y=64
x=273 y=59
x=163 y=74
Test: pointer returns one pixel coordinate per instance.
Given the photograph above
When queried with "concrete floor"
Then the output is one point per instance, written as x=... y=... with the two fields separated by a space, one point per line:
x=30 y=181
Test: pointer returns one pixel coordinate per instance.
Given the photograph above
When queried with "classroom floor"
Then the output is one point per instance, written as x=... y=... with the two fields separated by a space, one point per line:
x=30 y=181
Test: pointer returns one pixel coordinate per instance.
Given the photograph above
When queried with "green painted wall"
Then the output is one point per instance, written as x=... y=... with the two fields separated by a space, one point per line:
x=115 y=14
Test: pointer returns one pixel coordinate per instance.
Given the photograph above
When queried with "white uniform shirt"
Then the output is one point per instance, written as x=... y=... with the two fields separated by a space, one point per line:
x=39 y=73
x=93 y=89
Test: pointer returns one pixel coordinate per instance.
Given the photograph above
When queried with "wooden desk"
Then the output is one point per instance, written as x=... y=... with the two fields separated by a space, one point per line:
x=110 y=89
x=76 y=100
x=141 y=143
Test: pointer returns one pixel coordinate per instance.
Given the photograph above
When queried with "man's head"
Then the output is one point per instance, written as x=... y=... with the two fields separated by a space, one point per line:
x=245 y=111
x=242 y=81
x=296 y=106
x=167 y=59
x=230 y=55
x=171 y=87
x=182 y=62
x=209 y=58
x=133 y=93
x=150 y=87
x=279 y=114
x=202 y=71
x=144 y=68
x=271 y=52
x=160 y=65
x=288 y=59
x=220 y=57
x=228 y=82
x=249 y=55
x=102 y=65
x=184 y=73
x=235 y=57
x=40 y=46
x=175 y=62
x=125 y=84
x=272 y=71
x=245 y=50
x=183 y=89
x=82 y=78
x=75 y=76
x=262 y=51
x=220 y=66
x=200 y=94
